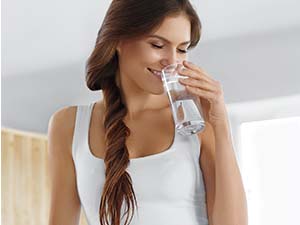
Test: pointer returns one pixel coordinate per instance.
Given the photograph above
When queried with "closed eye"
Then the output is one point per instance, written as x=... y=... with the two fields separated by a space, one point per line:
x=156 y=46
x=160 y=47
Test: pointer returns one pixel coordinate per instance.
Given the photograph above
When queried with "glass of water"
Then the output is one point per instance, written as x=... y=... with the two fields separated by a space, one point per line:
x=186 y=108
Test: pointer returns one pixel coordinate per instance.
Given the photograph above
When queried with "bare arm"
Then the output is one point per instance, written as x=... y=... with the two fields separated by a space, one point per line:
x=230 y=206
x=65 y=204
x=226 y=200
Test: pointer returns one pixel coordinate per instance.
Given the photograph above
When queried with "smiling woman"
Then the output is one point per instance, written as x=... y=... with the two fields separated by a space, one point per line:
x=125 y=149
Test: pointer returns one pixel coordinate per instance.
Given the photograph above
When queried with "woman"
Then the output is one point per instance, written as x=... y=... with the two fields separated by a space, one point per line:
x=120 y=158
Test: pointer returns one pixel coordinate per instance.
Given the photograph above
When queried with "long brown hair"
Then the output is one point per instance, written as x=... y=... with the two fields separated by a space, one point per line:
x=125 y=19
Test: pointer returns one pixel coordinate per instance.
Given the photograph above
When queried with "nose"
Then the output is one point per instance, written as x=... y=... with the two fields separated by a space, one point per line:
x=170 y=58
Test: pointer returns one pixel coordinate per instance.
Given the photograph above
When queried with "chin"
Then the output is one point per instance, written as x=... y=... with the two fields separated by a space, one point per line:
x=158 y=91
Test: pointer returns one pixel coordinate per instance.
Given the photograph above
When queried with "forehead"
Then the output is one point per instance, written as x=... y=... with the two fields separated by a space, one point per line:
x=177 y=28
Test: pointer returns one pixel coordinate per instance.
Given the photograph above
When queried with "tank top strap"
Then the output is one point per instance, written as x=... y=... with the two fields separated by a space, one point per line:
x=81 y=129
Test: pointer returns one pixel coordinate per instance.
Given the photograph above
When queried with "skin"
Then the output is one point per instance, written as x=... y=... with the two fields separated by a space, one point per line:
x=147 y=106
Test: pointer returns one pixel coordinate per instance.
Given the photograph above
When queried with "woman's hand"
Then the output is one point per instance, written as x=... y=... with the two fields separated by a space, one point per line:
x=208 y=90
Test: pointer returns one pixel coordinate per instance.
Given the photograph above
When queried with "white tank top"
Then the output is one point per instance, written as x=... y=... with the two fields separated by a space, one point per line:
x=168 y=186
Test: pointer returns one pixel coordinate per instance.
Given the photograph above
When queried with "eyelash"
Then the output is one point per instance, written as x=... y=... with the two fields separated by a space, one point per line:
x=160 y=47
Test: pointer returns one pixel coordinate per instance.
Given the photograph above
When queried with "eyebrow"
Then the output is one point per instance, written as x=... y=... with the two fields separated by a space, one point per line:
x=166 y=40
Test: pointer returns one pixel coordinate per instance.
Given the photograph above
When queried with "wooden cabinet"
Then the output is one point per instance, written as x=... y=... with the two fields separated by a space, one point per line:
x=25 y=182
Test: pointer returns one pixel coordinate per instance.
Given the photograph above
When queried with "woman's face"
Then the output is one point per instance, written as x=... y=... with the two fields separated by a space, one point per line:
x=166 y=45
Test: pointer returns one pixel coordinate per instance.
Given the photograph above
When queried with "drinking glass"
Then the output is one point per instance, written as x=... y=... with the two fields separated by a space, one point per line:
x=186 y=107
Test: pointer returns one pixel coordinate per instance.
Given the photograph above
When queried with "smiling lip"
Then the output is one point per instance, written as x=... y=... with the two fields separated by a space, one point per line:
x=156 y=73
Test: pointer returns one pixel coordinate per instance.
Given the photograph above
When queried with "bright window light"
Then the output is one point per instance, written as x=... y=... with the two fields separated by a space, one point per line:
x=270 y=165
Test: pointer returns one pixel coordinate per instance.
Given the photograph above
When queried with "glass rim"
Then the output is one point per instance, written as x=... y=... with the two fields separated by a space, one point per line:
x=171 y=68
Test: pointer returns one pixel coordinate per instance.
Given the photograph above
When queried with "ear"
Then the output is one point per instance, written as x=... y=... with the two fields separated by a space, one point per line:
x=118 y=48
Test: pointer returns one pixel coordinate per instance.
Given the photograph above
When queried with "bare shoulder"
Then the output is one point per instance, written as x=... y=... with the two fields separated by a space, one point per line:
x=206 y=137
x=207 y=148
x=61 y=125
x=65 y=204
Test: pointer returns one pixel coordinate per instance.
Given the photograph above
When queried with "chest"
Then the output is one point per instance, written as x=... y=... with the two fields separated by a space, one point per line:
x=150 y=137
x=150 y=134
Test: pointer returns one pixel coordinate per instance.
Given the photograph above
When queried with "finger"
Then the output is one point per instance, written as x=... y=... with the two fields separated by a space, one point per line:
x=198 y=83
x=193 y=74
x=196 y=68
x=200 y=92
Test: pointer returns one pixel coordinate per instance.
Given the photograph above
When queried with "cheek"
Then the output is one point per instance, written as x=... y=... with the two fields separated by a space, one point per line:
x=145 y=53
x=139 y=56
x=153 y=56
x=141 y=53
x=150 y=57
